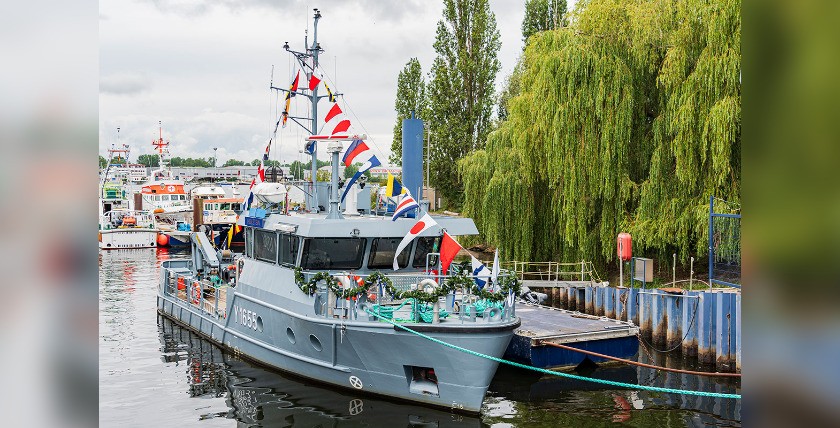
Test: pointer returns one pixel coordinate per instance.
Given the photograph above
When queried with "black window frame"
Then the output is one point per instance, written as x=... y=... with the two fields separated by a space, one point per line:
x=266 y=233
x=421 y=263
x=306 y=262
x=389 y=263
x=294 y=247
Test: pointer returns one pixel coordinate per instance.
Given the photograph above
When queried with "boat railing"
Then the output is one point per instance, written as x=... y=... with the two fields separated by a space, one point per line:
x=460 y=305
x=207 y=295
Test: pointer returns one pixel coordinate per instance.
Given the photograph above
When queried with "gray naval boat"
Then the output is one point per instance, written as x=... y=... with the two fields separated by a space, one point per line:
x=285 y=302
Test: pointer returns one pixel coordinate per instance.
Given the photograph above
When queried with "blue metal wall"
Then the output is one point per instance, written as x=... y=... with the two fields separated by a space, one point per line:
x=412 y=156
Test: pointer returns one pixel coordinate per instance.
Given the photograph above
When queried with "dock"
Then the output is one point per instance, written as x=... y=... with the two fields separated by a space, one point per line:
x=544 y=324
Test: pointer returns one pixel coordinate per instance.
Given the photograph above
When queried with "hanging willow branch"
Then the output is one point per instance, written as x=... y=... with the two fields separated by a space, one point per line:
x=631 y=130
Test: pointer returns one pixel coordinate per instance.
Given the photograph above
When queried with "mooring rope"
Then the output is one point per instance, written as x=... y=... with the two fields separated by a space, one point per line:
x=636 y=363
x=561 y=374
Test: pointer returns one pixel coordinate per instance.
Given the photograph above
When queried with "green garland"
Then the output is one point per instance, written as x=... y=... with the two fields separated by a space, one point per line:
x=462 y=280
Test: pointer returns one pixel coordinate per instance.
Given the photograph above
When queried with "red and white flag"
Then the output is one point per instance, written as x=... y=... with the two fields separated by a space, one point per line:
x=421 y=226
x=449 y=248
x=336 y=122
x=314 y=80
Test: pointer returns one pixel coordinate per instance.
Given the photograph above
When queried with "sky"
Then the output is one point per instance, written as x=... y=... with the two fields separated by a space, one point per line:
x=203 y=68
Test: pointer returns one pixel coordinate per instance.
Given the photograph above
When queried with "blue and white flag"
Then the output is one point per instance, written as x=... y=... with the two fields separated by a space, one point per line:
x=480 y=273
x=406 y=204
x=309 y=147
x=371 y=163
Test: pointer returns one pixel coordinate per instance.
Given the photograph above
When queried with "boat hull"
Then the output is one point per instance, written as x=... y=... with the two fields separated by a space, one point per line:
x=365 y=356
x=120 y=239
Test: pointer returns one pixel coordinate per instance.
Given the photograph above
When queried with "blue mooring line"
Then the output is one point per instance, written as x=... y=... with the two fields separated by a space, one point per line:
x=561 y=374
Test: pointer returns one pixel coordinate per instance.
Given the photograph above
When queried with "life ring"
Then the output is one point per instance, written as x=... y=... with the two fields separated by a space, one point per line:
x=371 y=296
x=492 y=314
x=195 y=293
x=428 y=285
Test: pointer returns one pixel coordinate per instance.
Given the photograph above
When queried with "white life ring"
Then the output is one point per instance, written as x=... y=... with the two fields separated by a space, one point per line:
x=345 y=281
x=428 y=285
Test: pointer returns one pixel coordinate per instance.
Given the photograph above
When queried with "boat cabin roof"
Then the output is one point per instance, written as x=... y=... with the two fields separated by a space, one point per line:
x=363 y=226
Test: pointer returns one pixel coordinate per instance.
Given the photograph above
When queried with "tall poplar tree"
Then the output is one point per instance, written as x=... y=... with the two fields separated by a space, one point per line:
x=460 y=90
x=410 y=97
x=542 y=15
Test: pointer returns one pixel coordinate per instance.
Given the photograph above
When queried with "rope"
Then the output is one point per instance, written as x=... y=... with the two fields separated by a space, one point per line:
x=636 y=363
x=566 y=375
x=688 y=330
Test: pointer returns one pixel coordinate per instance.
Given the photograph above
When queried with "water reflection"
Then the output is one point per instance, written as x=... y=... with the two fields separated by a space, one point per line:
x=259 y=397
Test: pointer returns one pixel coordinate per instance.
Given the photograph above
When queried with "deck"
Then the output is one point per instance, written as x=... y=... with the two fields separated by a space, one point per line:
x=542 y=324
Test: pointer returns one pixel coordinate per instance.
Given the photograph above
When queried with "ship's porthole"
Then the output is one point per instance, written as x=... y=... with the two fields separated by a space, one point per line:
x=259 y=324
x=315 y=342
x=290 y=334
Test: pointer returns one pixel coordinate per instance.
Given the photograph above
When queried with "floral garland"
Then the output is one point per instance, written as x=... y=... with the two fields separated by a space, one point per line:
x=462 y=280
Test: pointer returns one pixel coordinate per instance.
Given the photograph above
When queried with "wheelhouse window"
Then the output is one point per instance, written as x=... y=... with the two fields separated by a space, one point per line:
x=265 y=245
x=288 y=249
x=382 y=253
x=424 y=247
x=333 y=253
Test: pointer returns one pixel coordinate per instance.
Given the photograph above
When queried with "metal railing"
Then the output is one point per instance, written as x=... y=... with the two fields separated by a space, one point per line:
x=553 y=271
x=461 y=304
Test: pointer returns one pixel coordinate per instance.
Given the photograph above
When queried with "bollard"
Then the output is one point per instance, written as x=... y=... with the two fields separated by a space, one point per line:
x=724 y=337
x=689 y=324
x=589 y=300
x=706 y=328
x=675 y=305
x=599 y=300
x=609 y=302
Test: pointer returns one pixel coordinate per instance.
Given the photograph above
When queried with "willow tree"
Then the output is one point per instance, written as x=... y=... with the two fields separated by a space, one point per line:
x=460 y=90
x=604 y=114
x=410 y=98
x=697 y=133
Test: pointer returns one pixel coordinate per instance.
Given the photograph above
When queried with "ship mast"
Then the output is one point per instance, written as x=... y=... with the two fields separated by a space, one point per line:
x=308 y=67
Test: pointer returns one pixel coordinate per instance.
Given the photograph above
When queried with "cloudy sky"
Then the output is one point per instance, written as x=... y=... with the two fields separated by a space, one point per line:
x=203 y=68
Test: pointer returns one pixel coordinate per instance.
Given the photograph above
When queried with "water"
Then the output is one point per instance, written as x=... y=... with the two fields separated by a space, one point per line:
x=154 y=373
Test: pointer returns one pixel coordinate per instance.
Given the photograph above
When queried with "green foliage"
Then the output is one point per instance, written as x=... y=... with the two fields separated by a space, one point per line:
x=410 y=97
x=627 y=120
x=234 y=162
x=508 y=283
x=460 y=91
x=296 y=170
x=102 y=162
x=191 y=163
x=542 y=15
x=149 y=160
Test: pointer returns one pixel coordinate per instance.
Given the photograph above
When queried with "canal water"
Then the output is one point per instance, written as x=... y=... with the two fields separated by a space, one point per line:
x=154 y=373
